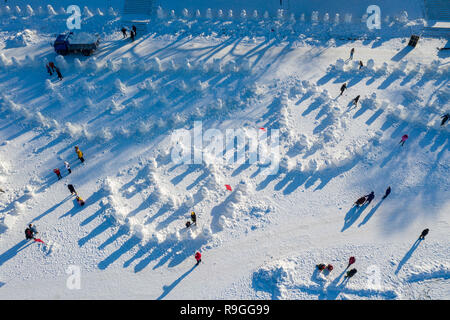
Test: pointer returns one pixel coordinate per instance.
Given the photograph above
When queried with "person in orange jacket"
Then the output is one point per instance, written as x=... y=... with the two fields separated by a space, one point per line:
x=198 y=257
x=79 y=153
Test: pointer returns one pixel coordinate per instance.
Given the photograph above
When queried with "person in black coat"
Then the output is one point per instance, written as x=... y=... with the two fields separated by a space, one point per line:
x=343 y=87
x=423 y=234
x=388 y=191
x=370 y=197
x=59 y=74
x=445 y=117
x=350 y=273
x=134 y=29
x=71 y=189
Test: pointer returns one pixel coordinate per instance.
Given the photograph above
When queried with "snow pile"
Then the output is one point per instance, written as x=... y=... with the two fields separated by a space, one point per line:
x=21 y=39
x=273 y=279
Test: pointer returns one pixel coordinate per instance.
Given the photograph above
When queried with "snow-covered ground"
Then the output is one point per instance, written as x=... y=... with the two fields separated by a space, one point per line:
x=255 y=73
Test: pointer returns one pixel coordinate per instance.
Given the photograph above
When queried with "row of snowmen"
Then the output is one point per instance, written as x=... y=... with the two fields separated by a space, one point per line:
x=49 y=11
x=255 y=15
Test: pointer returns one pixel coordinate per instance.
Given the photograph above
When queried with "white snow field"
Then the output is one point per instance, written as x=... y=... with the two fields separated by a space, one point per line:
x=253 y=71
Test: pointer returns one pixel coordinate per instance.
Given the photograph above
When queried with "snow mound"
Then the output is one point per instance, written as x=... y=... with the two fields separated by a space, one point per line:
x=22 y=39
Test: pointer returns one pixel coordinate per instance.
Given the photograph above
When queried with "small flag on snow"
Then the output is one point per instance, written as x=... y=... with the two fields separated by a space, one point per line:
x=38 y=240
x=228 y=187
x=263 y=129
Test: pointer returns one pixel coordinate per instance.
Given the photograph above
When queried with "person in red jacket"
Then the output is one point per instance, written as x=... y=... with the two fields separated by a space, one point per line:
x=351 y=261
x=52 y=66
x=58 y=173
x=198 y=257
x=404 y=138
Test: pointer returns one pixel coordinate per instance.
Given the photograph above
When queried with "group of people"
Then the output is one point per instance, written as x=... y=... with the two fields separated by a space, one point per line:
x=132 y=32
x=52 y=68
x=198 y=255
x=67 y=165
x=354 y=102
x=329 y=267
x=73 y=192
x=367 y=199
x=352 y=52
x=30 y=232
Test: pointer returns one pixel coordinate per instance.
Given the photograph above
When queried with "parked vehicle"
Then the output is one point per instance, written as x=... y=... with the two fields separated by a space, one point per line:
x=82 y=42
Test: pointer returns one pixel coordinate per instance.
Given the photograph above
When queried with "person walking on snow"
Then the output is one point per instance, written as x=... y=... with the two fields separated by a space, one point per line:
x=360 y=64
x=30 y=232
x=59 y=74
x=360 y=201
x=79 y=154
x=423 y=234
x=321 y=266
x=193 y=217
x=404 y=138
x=124 y=32
x=355 y=101
x=343 y=87
x=134 y=29
x=80 y=201
x=350 y=273
x=58 y=173
x=351 y=261
x=445 y=117
x=71 y=189
x=388 y=191
x=370 y=197
x=48 y=69
x=132 y=35
x=351 y=53
x=52 y=65
x=198 y=257
x=68 y=167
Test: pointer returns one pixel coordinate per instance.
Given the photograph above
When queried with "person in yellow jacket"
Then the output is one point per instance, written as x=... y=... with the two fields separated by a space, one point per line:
x=80 y=201
x=80 y=154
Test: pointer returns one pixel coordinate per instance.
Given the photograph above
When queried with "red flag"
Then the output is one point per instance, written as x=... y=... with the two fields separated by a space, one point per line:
x=39 y=240
x=263 y=129
x=228 y=187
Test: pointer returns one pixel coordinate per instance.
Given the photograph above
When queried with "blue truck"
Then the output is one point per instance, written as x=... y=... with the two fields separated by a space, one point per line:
x=70 y=42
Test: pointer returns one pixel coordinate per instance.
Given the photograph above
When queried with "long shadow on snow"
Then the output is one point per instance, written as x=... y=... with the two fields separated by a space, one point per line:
x=167 y=289
x=408 y=255
x=371 y=213
x=96 y=196
x=105 y=225
x=127 y=246
x=352 y=215
x=51 y=209
x=11 y=253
